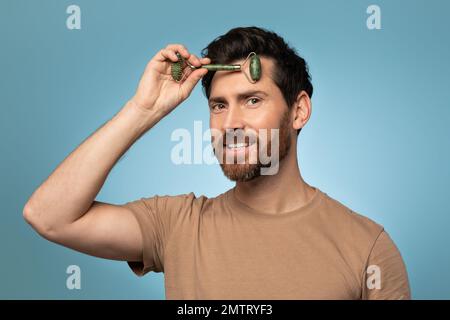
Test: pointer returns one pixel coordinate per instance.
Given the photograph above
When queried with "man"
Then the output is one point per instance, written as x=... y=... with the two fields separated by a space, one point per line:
x=272 y=236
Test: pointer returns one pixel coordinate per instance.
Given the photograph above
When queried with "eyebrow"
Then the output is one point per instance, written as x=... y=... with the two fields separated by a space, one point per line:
x=240 y=96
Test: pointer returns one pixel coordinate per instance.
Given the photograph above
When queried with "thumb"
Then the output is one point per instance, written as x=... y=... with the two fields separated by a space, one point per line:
x=192 y=79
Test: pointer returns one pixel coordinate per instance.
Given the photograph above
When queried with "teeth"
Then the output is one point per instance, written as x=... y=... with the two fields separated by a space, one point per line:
x=237 y=145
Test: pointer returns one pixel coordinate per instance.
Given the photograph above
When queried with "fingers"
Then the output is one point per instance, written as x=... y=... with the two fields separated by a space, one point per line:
x=165 y=55
x=192 y=80
x=169 y=53
x=192 y=58
x=205 y=60
x=179 y=48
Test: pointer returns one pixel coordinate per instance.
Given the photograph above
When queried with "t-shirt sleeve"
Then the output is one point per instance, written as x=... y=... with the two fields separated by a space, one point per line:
x=157 y=217
x=385 y=277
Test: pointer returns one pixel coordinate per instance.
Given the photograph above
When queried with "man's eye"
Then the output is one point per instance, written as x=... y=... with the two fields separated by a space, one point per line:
x=253 y=101
x=217 y=107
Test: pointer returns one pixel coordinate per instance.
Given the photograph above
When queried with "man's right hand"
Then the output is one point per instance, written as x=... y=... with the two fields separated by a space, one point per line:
x=63 y=208
x=157 y=90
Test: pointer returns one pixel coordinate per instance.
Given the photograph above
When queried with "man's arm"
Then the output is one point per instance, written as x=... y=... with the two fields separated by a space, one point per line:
x=386 y=277
x=63 y=209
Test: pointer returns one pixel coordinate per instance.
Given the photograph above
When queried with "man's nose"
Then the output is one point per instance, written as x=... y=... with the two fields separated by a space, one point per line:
x=234 y=118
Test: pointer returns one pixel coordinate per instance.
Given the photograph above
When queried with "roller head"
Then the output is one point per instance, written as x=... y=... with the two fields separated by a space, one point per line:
x=255 y=67
x=177 y=68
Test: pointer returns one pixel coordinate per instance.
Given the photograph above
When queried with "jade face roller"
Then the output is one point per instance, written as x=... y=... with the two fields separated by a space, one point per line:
x=254 y=67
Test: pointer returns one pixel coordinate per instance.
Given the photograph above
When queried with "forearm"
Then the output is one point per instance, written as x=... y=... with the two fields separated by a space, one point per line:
x=71 y=189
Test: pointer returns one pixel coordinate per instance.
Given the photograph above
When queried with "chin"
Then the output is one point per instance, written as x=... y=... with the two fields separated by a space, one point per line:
x=241 y=172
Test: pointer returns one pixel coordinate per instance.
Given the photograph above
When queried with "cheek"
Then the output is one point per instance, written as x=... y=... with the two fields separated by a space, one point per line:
x=214 y=122
x=264 y=119
x=215 y=129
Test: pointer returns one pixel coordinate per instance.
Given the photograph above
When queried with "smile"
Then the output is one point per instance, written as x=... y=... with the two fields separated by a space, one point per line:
x=239 y=145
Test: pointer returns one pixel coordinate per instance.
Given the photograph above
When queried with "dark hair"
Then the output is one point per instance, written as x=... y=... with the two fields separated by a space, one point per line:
x=290 y=72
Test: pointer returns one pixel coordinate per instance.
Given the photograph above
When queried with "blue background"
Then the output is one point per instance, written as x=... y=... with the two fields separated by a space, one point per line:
x=378 y=138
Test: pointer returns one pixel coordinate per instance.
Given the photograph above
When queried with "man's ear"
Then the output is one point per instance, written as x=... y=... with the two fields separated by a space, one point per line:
x=301 y=110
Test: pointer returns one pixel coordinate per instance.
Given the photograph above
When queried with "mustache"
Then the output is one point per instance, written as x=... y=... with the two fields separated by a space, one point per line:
x=235 y=136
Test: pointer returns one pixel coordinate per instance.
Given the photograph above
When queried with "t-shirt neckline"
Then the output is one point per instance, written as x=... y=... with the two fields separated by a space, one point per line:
x=235 y=204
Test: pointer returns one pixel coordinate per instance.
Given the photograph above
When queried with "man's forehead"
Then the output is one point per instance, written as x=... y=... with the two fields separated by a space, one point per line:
x=226 y=82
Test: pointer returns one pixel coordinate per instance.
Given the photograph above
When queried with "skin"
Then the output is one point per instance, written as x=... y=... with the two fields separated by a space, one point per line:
x=63 y=208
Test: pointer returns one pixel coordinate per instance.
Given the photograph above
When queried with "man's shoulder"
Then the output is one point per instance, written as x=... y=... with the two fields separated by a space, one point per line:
x=198 y=201
x=347 y=220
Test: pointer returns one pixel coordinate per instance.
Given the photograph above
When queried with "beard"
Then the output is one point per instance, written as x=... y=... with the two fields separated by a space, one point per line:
x=241 y=171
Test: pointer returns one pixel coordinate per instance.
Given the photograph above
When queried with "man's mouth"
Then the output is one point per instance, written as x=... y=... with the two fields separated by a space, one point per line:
x=246 y=143
x=237 y=145
x=242 y=148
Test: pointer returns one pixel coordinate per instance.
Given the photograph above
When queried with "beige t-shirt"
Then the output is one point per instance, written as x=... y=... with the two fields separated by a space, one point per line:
x=219 y=248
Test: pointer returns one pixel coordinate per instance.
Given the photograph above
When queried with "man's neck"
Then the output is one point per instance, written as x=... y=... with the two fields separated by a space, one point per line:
x=282 y=192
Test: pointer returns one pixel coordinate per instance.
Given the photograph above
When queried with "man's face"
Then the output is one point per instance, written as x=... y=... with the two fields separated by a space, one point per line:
x=255 y=114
